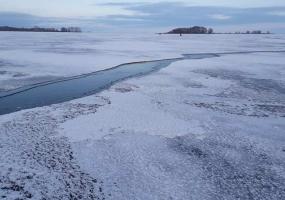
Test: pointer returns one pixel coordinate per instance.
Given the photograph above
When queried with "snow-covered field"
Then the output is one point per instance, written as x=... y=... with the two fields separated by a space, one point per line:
x=212 y=128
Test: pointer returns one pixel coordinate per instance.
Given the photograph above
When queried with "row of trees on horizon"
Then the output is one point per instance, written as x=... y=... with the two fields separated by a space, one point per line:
x=204 y=30
x=192 y=30
x=39 y=29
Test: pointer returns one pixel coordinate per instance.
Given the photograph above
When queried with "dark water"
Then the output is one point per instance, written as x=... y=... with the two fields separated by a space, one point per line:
x=80 y=86
x=76 y=87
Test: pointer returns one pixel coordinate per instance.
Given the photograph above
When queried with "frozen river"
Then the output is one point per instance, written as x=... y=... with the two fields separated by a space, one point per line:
x=62 y=90
x=209 y=128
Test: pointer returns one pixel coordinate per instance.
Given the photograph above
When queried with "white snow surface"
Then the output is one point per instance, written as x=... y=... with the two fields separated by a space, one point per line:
x=154 y=135
x=199 y=129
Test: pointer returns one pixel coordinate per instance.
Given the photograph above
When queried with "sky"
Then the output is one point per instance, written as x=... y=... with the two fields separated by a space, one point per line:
x=159 y=15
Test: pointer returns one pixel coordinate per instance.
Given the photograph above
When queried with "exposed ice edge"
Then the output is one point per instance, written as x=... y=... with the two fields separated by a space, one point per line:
x=29 y=87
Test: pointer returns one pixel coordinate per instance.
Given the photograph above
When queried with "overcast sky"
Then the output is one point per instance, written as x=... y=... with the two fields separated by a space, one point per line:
x=115 y=14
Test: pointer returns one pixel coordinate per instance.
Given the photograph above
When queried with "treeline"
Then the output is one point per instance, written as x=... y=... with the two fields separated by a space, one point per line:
x=192 y=30
x=249 y=32
x=39 y=29
x=204 y=30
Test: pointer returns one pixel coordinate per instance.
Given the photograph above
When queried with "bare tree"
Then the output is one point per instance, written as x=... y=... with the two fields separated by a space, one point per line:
x=210 y=31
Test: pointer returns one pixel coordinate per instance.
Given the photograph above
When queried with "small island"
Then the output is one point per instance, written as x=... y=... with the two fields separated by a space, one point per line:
x=204 y=30
x=39 y=29
x=192 y=30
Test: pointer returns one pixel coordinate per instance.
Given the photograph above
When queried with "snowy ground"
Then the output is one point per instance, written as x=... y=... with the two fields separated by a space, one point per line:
x=198 y=129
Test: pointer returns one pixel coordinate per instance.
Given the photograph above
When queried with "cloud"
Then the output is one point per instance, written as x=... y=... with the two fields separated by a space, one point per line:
x=63 y=8
x=220 y=17
x=22 y=20
x=94 y=8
